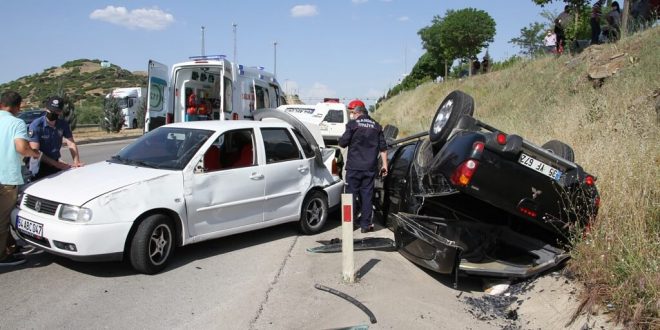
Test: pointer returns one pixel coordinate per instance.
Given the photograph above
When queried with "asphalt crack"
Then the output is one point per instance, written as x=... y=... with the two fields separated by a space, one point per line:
x=275 y=280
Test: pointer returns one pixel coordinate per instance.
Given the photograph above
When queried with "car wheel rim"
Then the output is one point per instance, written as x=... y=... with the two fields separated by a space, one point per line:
x=314 y=212
x=443 y=116
x=160 y=244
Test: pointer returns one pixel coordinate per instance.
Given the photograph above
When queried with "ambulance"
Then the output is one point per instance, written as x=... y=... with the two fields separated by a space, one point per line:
x=208 y=88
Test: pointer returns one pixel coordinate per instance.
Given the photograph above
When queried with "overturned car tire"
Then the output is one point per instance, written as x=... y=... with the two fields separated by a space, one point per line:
x=560 y=149
x=446 y=117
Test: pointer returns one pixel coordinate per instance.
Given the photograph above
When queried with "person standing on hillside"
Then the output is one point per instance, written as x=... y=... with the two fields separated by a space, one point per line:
x=613 y=18
x=561 y=24
x=596 y=13
x=550 y=42
x=365 y=141
x=13 y=147
x=46 y=134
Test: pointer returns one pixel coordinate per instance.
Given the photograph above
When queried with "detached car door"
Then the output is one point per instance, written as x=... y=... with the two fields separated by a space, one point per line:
x=287 y=174
x=229 y=191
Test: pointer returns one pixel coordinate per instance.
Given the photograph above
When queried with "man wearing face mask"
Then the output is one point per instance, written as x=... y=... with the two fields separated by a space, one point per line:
x=47 y=133
x=365 y=141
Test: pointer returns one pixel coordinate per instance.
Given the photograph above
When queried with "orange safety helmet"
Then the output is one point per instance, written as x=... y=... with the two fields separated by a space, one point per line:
x=355 y=103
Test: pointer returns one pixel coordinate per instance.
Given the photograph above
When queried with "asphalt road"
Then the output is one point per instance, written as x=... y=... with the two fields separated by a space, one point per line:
x=258 y=280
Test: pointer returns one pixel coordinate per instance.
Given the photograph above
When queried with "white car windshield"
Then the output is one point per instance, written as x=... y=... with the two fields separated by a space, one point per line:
x=164 y=148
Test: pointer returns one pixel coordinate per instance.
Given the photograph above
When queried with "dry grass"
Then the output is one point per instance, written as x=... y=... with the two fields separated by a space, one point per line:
x=614 y=131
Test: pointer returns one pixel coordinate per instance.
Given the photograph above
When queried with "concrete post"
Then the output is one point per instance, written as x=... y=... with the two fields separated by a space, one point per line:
x=348 y=263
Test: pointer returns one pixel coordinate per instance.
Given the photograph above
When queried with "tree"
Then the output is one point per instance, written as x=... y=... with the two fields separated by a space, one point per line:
x=465 y=32
x=113 y=120
x=530 y=40
x=430 y=36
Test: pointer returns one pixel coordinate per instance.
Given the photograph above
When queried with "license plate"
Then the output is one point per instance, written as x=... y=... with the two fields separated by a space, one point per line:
x=29 y=227
x=540 y=166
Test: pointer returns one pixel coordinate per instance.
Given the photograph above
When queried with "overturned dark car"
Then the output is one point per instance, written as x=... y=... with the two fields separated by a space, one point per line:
x=468 y=199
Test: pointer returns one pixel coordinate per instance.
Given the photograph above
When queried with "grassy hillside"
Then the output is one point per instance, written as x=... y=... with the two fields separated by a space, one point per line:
x=82 y=81
x=613 y=126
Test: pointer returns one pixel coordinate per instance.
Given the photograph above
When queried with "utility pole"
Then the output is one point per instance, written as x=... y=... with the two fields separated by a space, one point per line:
x=275 y=58
x=203 y=50
x=234 y=25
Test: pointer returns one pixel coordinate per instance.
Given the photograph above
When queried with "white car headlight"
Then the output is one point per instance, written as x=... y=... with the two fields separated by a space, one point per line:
x=75 y=213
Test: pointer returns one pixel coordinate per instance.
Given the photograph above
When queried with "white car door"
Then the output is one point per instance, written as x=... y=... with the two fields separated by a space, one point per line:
x=287 y=174
x=229 y=192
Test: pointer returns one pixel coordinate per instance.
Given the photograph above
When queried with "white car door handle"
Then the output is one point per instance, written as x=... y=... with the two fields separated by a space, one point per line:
x=256 y=176
x=303 y=169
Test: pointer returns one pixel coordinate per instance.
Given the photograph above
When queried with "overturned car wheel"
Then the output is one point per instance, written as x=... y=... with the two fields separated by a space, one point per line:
x=314 y=213
x=560 y=149
x=446 y=117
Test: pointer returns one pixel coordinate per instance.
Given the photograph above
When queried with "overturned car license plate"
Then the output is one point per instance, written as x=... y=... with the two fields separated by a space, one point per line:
x=29 y=227
x=540 y=166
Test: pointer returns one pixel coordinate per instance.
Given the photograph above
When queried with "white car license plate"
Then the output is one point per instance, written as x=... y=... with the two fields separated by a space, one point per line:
x=29 y=227
x=540 y=166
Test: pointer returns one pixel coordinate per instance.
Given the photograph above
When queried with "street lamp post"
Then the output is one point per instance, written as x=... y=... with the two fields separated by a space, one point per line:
x=234 y=25
x=203 y=50
x=275 y=58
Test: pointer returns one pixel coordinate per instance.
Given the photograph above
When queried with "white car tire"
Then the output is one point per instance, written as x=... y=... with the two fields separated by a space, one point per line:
x=152 y=245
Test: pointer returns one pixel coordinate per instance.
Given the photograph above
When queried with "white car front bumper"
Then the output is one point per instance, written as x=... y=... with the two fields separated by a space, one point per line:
x=77 y=241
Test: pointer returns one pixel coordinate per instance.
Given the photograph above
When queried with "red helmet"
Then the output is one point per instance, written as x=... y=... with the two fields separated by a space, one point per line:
x=355 y=103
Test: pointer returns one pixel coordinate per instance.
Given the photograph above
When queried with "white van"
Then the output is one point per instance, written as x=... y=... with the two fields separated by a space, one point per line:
x=330 y=116
x=208 y=88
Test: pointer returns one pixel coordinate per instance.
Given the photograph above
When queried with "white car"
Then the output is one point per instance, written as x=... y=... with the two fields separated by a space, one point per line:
x=180 y=184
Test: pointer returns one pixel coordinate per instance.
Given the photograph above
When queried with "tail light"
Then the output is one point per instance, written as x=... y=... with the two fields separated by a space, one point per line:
x=169 y=118
x=234 y=116
x=589 y=180
x=335 y=168
x=501 y=138
x=463 y=174
x=527 y=211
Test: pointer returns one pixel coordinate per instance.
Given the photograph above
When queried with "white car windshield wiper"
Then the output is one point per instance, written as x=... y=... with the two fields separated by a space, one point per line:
x=134 y=162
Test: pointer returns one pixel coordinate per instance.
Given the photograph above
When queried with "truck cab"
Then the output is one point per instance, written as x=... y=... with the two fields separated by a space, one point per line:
x=330 y=116
x=207 y=88
x=129 y=100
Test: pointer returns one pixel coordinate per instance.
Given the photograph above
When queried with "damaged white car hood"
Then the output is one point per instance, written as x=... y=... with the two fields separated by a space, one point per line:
x=80 y=185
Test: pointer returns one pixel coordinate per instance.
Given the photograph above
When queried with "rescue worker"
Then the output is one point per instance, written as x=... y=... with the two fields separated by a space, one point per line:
x=46 y=134
x=365 y=141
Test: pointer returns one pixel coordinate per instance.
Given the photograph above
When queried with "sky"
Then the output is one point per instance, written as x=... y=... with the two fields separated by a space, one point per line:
x=324 y=48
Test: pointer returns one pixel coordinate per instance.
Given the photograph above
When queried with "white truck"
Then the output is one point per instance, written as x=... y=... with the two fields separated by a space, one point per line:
x=330 y=116
x=208 y=88
x=130 y=100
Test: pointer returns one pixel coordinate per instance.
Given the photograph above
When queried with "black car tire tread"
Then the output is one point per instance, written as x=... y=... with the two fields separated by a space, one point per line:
x=463 y=105
x=560 y=149
x=140 y=244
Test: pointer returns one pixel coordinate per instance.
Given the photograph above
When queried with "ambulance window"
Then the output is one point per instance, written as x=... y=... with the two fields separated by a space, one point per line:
x=262 y=98
x=334 y=116
x=228 y=95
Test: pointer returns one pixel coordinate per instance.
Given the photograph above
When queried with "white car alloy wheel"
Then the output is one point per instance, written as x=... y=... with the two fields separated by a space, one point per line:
x=152 y=244
x=314 y=213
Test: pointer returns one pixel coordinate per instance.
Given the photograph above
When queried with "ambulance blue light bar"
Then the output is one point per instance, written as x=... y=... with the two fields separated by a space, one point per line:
x=207 y=57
